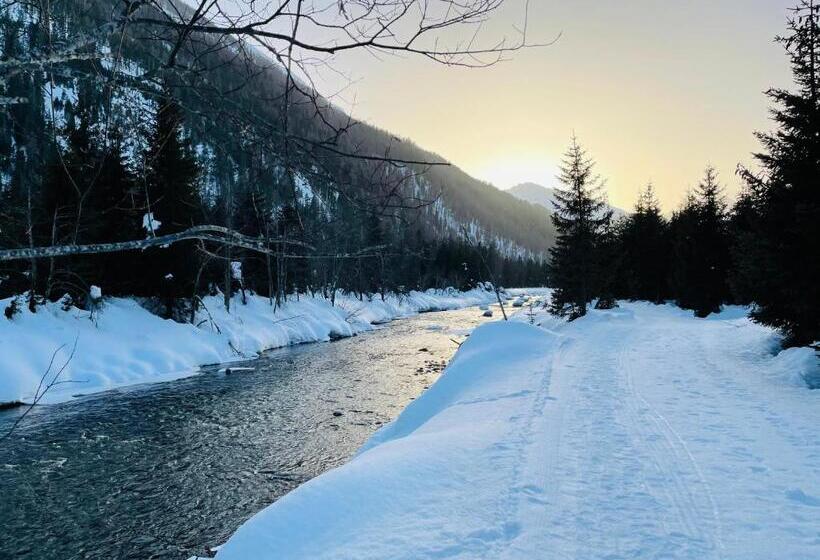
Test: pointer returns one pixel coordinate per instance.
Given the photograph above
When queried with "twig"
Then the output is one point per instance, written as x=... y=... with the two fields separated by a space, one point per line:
x=41 y=390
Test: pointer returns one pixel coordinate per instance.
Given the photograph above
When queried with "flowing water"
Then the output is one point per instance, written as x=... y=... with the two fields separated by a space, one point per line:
x=167 y=470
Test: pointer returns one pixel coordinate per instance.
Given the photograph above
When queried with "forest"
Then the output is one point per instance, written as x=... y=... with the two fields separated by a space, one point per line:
x=107 y=139
x=241 y=322
x=221 y=178
x=761 y=250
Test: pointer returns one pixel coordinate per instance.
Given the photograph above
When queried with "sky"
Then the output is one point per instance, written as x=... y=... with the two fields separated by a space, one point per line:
x=654 y=90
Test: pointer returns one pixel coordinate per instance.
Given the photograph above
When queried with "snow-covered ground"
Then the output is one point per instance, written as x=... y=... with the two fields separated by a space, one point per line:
x=640 y=432
x=123 y=344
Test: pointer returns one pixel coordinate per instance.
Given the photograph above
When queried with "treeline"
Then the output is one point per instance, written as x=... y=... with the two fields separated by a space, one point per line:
x=763 y=250
x=96 y=154
x=88 y=191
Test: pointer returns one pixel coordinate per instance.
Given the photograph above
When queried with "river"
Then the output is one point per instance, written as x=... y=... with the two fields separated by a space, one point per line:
x=167 y=470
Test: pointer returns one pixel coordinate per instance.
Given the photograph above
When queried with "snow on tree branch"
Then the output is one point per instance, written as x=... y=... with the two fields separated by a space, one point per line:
x=216 y=234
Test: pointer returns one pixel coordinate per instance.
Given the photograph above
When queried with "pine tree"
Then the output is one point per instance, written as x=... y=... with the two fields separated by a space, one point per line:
x=256 y=220
x=580 y=217
x=27 y=150
x=172 y=195
x=645 y=249
x=683 y=231
x=779 y=259
x=371 y=267
x=113 y=215
x=173 y=173
x=69 y=177
x=608 y=266
x=291 y=275
x=701 y=249
x=743 y=220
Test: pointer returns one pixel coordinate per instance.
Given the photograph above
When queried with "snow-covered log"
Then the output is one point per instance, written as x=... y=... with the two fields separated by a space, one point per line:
x=217 y=234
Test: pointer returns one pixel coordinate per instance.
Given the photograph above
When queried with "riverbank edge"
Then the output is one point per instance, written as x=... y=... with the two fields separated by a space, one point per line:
x=76 y=353
x=436 y=479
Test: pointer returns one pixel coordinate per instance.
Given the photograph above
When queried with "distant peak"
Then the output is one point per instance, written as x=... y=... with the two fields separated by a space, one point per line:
x=544 y=196
x=534 y=194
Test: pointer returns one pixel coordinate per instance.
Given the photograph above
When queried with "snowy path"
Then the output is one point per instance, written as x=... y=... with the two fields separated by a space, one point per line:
x=635 y=433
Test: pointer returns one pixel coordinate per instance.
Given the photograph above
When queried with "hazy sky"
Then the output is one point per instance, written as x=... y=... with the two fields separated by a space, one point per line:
x=655 y=90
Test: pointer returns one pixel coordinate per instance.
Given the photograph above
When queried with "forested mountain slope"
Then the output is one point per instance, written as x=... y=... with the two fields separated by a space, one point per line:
x=110 y=142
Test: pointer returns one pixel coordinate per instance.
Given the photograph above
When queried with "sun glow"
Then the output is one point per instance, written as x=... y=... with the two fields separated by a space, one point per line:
x=510 y=171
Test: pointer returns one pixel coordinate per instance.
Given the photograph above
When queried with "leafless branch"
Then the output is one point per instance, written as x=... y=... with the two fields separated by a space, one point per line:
x=45 y=384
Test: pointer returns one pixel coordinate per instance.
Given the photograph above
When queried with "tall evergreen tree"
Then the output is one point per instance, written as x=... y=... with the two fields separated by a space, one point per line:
x=580 y=217
x=24 y=148
x=608 y=265
x=172 y=196
x=69 y=179
x=701 y=249
x=291 y=275
x=743 y=220
x=645 y=250
x=173 y=173
x=114 y=214
x=683 y=231
x=780 y=259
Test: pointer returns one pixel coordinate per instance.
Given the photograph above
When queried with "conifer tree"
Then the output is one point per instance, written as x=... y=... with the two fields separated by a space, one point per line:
x=743 y=220
x=69 y=177
x=256 y=220
x=645 y=250
x=580 y=217
x=701 y=249
x=290 y=275
x=371 y=268
x=609 y=262
x=114 y=215
x=780 y=259
x=683 y=230
x=173 y=198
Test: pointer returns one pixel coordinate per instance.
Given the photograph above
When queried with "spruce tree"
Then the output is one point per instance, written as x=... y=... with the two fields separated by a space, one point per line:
x=256 y=220
x=701 y=249
x=291 y=272
x=645 y=249
x=743 y=220
x=779 y=258
x=683 y=229
x=70 y=176
x=609 y=262
x=580 y=217
x=113 y=215
x=172 y=195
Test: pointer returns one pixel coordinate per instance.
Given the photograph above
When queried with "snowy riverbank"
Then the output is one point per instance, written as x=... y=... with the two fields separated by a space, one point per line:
x=123 y=344
x=639 y=432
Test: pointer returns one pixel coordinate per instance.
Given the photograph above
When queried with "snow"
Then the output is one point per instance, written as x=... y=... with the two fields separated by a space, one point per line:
x=150 y=224
x=639 y=432
x=236 y=270
x=307 y=194
x=124 y=344
x=95 y=292
x=446 y=222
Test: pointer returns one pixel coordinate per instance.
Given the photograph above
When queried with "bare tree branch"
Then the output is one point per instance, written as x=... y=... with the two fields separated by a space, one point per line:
x=45 y=384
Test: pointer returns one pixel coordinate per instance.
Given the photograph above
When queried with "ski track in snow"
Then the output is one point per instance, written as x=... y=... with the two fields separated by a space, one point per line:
x=639 y=432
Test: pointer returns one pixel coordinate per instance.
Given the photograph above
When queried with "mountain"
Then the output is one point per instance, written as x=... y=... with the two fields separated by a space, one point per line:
x=534 y=194
x=544 y=196
x=223 y=123
x=420 y=211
